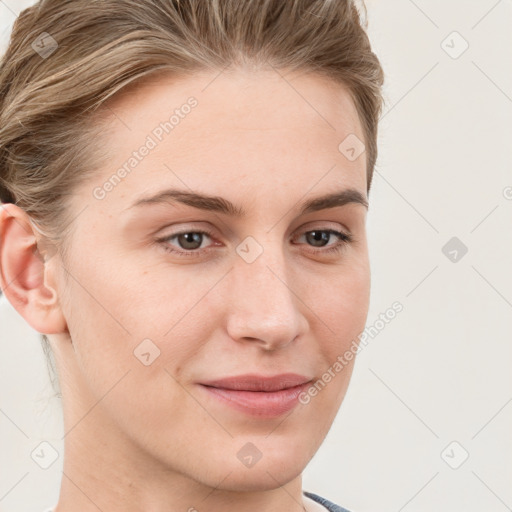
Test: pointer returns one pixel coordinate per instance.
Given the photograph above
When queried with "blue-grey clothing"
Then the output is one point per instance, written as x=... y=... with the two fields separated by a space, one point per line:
x=329 y=505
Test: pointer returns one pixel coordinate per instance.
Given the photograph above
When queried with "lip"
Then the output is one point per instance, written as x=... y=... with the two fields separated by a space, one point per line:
x=259 y=395
x=254 y=382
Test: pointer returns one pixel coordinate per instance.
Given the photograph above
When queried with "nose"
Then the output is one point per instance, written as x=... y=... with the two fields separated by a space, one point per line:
x=262 y=306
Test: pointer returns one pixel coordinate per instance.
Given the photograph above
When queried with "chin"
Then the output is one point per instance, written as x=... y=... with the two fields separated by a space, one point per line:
x=260 y=477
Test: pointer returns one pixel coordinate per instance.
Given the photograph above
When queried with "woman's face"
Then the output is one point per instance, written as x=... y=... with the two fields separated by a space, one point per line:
x=268 y=290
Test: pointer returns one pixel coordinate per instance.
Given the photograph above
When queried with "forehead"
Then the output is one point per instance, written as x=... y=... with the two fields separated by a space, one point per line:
x=255 y=91
x=238 y=129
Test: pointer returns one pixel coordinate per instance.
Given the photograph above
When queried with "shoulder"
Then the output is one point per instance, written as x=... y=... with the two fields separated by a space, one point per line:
x=329 y=505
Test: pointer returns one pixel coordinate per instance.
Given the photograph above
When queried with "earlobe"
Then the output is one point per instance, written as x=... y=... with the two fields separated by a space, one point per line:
x=24 y=273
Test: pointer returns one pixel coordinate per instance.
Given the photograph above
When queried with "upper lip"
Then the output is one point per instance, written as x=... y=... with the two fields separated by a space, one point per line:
x=253 y=382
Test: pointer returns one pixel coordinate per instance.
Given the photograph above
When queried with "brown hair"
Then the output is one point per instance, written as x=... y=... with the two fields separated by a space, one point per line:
x=65 y=59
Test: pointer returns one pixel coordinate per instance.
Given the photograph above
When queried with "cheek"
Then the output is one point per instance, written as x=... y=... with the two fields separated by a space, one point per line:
x=99 y=310
x=351 y=306
x=342 y=302
x=116 y=310
x=107 y=323
x=119 y=359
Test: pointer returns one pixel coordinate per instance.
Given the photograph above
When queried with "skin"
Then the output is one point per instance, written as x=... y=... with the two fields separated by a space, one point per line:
x=148 y=437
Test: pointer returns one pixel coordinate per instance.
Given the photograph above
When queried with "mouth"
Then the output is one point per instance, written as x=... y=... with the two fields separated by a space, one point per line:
x=259 y=395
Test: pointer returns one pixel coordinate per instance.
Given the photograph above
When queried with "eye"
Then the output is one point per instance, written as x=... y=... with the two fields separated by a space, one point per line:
x=190 y=243
x=320 y=238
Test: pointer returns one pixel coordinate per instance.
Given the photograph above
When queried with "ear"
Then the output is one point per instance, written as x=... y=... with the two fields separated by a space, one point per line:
x=25 y=278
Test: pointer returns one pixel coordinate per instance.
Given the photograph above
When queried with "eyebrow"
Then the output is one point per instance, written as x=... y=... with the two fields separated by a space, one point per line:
x=222 y=205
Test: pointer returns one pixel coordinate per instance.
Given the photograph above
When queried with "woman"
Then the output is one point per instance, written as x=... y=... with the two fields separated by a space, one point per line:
x=185 y=187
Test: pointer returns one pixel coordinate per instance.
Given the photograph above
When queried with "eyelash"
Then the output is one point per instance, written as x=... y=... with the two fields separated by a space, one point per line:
x=344 y=240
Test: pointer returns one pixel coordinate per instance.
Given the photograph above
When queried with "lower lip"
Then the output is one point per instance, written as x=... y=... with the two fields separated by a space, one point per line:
x=259 y=403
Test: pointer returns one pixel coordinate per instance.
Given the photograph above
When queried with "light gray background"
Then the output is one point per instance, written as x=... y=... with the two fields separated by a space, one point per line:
x=440 y=371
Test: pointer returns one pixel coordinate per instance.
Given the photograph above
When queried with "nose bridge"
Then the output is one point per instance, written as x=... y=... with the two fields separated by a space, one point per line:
x=266 y=282
x=263 y=307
